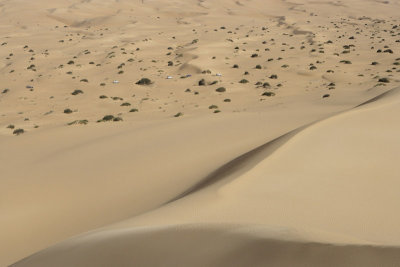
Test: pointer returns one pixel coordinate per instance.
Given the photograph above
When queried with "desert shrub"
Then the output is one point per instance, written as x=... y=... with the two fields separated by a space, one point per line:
x=202 y=82
x=268 y=93
x=134 y=110
x=144 y=81
x=18 y=131
x=266 y=85
x=213 y=107
x=103 y=96
x=258 y=67
x=71 y=62
x=235 y=66
x=178 y=114
x=383 y=80
x=273 y=76
x=5 y=91
x=67 y=111
x=77 y=92
x=10 y=126
x=108 y=118
x=254 y=55
x=220 y=89
x=326 y=95
x=243 y=81
x=84 y=122
x=227 y=100
x=125 y=104
x=84 y=80
x=217 y=111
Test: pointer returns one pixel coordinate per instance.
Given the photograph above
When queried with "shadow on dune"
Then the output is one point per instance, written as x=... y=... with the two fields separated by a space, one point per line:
x=247 y=161
x=205 y=245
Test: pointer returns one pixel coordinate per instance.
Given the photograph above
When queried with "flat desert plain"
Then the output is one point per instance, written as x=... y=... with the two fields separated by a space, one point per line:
x=199 y=133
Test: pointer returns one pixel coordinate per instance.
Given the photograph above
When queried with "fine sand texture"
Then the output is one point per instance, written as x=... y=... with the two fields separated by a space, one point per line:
x=199 y=133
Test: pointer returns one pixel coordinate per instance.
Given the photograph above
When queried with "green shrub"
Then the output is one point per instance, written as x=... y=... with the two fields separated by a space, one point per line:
x=144 y=81
x=18 y=131
x=84 y=122
x=202 y=82
x=108 y=118
x=77 y=92
x=268 y=93
x=178 y=114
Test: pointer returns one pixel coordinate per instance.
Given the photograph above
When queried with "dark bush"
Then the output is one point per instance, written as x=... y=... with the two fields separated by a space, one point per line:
x=77 y=92
x=268 y=94
x=144 y=81
x=18 y=131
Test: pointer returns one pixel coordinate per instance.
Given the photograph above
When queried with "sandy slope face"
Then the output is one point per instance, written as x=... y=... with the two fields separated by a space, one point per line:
x=50 y=49
x=59 y=180
x=329 y=184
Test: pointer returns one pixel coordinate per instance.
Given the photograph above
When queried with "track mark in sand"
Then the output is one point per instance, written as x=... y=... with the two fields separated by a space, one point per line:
x=331 y=3
x=248 y=160
x=239 y=3
x=296 y=31
x=200 y=3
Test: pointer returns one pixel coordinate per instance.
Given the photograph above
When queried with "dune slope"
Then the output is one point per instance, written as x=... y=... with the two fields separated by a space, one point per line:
x=300 y=213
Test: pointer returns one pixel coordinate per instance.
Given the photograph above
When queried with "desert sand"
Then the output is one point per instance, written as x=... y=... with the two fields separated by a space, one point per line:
x=199 y=133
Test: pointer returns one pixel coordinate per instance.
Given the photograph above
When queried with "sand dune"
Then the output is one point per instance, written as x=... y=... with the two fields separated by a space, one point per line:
x=326 y=232
x=204 y=245
x=267 y=133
